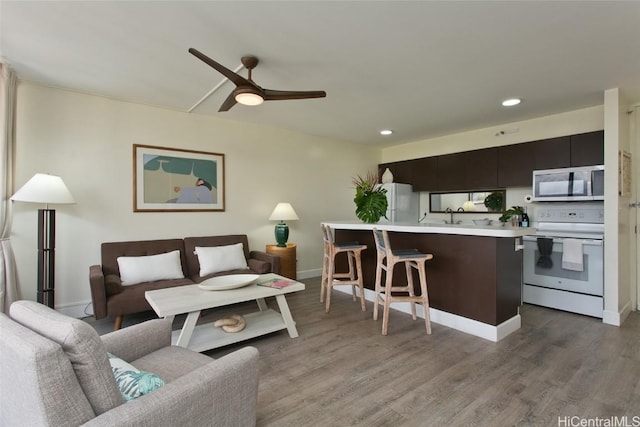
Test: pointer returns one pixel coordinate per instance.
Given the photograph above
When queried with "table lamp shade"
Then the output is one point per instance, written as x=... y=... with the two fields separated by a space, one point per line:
x=468 y=206
x=283 y=212
x=43 y=188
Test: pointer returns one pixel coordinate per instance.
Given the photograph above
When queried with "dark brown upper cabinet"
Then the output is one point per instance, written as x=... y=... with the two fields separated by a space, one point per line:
x=469 y=170
x=402 y=171
x=482 y=171
x=498 y=167
x=515 y=165
x=517 y=162
x=424 y=173
x=587 y=149
x=552 y=153
x=451 y=172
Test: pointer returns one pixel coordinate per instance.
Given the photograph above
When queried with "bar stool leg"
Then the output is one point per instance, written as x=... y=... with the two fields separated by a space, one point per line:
x=387 y=303
x=323 y=281
x=425 y=295
x=351 y=274
x=331 y=266
x=409 y=269
x=360 y=280
x=377 y=288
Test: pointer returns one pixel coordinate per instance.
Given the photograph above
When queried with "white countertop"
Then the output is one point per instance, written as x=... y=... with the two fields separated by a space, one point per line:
x=468 y=229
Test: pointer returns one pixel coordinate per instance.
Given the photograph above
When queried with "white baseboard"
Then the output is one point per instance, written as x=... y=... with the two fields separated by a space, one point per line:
x=309 y=274
x=463 y=324
x=77 y=310
x=616 y=318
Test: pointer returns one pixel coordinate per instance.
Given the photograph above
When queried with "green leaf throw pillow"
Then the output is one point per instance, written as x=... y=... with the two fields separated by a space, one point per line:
x=131 y=381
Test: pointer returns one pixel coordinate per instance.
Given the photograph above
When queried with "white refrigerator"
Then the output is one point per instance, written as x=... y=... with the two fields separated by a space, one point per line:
x=402 y=203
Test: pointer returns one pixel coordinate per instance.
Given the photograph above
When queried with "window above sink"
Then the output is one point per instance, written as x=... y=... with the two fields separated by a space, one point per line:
x=493 y=201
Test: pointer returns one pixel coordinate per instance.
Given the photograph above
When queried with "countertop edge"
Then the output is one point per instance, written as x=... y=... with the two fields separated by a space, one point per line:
x=458 y=229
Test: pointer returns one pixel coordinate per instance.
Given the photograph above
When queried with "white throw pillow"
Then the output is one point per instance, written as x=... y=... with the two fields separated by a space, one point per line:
x=214 y=259
x=139 y=269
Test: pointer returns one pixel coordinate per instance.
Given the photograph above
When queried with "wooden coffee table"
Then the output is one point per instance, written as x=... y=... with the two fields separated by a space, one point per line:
x=192 y=300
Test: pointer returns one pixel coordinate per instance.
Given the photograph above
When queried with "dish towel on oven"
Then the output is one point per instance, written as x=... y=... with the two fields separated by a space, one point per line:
x=572 y=255
x=545 y=247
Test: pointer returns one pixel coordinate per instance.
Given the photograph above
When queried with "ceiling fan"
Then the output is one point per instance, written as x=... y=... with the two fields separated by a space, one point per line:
x=247 y=92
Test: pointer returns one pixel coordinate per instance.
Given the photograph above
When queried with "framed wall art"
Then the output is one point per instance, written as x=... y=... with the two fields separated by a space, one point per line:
x=177 y=180
x=624 y=174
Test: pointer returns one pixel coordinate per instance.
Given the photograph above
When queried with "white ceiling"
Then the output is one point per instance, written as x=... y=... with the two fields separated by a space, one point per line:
x=420 y=68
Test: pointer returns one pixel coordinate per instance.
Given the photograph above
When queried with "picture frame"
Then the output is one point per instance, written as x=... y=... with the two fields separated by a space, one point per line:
x=624 y=173
x=177 y=180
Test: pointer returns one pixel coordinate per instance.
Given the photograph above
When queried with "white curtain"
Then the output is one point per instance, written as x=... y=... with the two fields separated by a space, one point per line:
x=8 y=285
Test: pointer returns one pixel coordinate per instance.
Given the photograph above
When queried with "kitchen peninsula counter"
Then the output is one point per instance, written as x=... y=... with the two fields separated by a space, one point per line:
x=474 y=279
x=438 y=228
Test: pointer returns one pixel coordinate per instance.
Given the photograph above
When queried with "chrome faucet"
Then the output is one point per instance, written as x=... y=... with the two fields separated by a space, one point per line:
x=450 y=212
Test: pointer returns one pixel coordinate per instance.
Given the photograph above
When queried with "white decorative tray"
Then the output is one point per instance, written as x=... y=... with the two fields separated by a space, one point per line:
x=232 y=281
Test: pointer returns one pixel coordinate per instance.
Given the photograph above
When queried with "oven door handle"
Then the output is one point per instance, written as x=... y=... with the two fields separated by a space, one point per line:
x=591 y=242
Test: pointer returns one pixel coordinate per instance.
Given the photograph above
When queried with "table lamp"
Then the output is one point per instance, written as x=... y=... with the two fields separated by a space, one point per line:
x=468 y=206
x=47 y=189
x=283 y=212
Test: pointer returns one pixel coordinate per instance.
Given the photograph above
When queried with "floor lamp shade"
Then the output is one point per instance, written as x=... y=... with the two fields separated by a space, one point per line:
x=283 y=212
x=45 y=189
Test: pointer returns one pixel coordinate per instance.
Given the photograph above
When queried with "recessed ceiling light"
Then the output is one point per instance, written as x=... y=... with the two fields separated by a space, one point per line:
x=386 y=132
x=511 y=102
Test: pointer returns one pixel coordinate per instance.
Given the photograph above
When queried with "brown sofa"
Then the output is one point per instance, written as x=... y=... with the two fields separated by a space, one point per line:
x=111 y=298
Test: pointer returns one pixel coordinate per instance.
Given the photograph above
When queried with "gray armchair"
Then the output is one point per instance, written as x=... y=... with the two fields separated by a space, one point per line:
x=54 y=371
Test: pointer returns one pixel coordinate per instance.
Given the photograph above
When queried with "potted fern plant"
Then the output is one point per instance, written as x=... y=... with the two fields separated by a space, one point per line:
x=370 y=199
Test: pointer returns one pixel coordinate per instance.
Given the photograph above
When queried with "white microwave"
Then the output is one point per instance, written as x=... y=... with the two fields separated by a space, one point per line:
x=569 y=184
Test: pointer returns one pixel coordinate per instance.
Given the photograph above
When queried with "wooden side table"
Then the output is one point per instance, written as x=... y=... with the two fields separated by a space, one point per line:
x=287 y=259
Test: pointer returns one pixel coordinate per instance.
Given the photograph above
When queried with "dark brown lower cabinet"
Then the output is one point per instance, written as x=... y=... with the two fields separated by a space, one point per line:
x=476 y=277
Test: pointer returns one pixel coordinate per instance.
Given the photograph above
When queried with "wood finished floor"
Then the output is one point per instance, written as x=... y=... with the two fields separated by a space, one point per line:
x=342 y=372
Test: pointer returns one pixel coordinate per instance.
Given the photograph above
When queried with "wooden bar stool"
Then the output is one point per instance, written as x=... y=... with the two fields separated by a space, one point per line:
x=387 y=259
x=330 y=278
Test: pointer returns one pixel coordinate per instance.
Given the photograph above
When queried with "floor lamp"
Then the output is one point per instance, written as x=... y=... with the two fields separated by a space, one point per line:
x=47 y=189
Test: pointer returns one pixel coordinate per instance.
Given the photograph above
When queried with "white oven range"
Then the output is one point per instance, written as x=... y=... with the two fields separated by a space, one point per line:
x=564 y=233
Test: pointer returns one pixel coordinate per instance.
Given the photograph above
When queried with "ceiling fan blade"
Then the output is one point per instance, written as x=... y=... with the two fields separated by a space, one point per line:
x=279 y=95
x=237 y=79
x=229 y=102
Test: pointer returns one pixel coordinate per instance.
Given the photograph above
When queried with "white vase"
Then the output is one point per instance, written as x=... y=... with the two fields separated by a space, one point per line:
x=387 y=177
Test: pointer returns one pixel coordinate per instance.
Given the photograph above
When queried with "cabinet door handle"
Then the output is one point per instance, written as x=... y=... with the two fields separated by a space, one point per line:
x=518 y=244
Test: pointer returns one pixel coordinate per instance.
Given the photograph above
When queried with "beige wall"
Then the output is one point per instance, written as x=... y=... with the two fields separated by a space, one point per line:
x=88 y=140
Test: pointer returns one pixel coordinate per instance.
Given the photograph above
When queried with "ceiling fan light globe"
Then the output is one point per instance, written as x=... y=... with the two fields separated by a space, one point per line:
x=248 y=97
